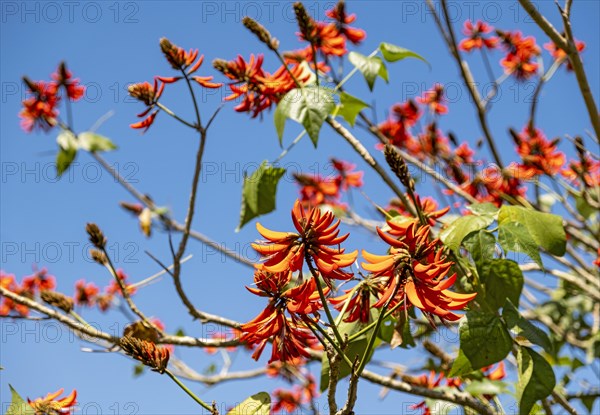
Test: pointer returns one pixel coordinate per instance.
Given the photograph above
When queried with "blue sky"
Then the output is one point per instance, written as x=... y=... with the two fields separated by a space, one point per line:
x=109 y=45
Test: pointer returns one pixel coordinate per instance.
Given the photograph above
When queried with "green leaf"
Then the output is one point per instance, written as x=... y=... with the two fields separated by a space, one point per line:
x=461 y=365
x=257 y=404
x=453 y=235
x=17 y=405
x=64 y=158
x=481 y=245
x=393 y=53
x=258 y=192
x=513 y=236
x=483 y=209
x=356 y=347
x=536 y=379
x=95 y=142
x=583 y=207
x=503 y=279
x=522 y=327
x=370 y=67
x=483 y=341
x=350 y=107
x=545 y=229
x=308 y=106
x=486 y=387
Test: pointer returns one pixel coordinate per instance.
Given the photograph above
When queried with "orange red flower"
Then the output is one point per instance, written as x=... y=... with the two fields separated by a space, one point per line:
x=521 y=54
x=50 y=405
x=476 y=38
x=316 y=240
x=342 y=20
x=85 y=294
x=258 y=89
x=559 y=55
x=539 y=155
x=434 y=98
x=40 y=110
x=414 y=271
x=149 y=95
x=64 y=78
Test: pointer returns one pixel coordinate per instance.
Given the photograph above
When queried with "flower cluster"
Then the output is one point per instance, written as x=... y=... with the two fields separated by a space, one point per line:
x=559 y=55
x=289 y=334
x=257 y=88
x=521 y=54
x=40 y=109
x=434 y=380
x=316 y=240
x=292 y=401
x=30 y=287
x=476 y=36
x=538 y=155
x=88 y=294
x=293 y=301
x=316 y=190
x=415 y=272
x=187 y=62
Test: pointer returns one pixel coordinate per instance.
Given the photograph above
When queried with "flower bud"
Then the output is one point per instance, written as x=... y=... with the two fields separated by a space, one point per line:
x=261 y=32
x=57 y=300
x=96 y=236
x=146 y=352
x=399 y=167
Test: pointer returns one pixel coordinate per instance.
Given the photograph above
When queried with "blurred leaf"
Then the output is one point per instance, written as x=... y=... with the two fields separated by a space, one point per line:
x=95 y=142
x=350 y=107
x=545 y=229
x=514 y=236
x=258 y=192
x=257 y=404
x=370 y=67
x=481 y=245
x=523 y=327
x=17 y=405
x=453 y=235
x=483 y=341
x=487 y=387
x=536 y=379
x=503 y=279
x=308 y=106
x=483 y=209
x=393 y=53
x=64 y=158
x=583 y=207
x=356 y=347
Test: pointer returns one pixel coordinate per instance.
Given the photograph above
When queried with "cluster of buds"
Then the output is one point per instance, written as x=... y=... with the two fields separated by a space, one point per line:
x=261 y=33
x=146 y=352
x=399 y=167
x=57 y=300
x=97 y=238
